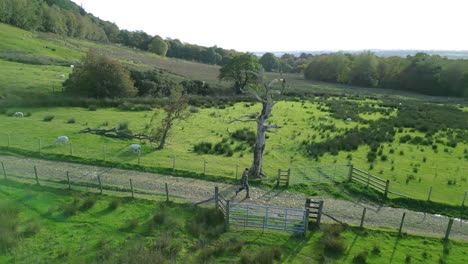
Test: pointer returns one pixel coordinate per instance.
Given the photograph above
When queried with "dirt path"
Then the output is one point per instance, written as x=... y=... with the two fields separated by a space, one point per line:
x=198 y=190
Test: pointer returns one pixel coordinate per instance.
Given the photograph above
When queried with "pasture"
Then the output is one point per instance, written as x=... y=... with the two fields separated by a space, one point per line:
x=53 y=225
x=412 y=168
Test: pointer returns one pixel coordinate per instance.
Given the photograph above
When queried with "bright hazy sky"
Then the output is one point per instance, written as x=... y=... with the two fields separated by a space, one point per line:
x=286 y=25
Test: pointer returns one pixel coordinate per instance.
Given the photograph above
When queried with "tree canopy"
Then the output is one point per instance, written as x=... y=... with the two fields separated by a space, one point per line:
x=99 y=76
x=237 y=68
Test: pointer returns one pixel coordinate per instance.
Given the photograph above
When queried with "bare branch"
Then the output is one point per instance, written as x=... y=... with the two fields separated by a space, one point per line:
x=272 y=126
x=240 y=120
x=253 y=94
x=251 y=115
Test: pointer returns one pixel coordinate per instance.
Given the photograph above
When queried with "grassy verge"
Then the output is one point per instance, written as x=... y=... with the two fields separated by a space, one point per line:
x=50 y=225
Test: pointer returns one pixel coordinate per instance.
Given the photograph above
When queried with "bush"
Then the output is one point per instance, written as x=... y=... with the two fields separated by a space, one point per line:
x=207 y=222
x=193 y=110
x=48 y=118
x=92 y=107
x=71 y=121
x=114 y=204
x=89 y=202
x=28 y=114
x=9 y=219
x=203 y=148
x=131 y=224
x=333 y=243
x=360 y=258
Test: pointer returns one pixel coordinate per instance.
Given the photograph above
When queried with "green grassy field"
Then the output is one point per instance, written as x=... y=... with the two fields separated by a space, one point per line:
x=444 y=170
x=43 y=224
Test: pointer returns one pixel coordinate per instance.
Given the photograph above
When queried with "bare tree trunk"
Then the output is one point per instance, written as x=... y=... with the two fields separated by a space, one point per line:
x=164 y=135
x=257 y=164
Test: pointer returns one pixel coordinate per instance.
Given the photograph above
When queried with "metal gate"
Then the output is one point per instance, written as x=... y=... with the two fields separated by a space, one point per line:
x=314 y=174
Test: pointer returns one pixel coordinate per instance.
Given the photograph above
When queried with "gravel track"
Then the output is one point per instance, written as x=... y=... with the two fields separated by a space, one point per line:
x=196 y=190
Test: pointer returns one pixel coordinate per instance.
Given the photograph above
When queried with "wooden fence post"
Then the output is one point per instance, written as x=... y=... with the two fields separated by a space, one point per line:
x=167 y=193
x=216 y=197
x=449 y=227
x=131 y=188
x=37 y=177
x=100 y=183
x=350 y=174
x=173 y=162
x=204 y=166
x=69 y=183
x=71 y=149
x=319 y=213
x=279 y=176
x=4 y=172
x=387 y=186
x=429 y=195
x=227 y=214
x=306 y=220
x=307 y=203
x=463 y=202
x=289 y=175
x=362 y=217
x=401 y=224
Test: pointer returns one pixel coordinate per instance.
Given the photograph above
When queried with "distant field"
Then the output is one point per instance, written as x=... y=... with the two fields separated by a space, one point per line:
x=445 y=170
x=42 y=224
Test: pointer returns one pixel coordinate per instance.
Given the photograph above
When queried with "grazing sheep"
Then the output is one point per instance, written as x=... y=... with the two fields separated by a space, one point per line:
x=72 y=66
x=348 y=119
x=18 y=114
x=61 y=139
x=326 y=118
x=134 y=148
x=62 y=76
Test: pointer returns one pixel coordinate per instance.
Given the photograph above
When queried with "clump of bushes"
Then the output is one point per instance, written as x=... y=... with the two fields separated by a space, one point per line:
x=334 y=244
x=128 y=106
x=207 y=222
x=262 y=255
x=71 y=121
x=245 y=135
x=114 y=204
x=9 y=218
x=92 y=107
x=220 y=148
x=89 y=202
x=360 y=258
x=48 y=118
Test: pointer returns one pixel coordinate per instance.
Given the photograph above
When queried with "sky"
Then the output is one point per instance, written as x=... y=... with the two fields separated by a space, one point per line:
x=295 y=25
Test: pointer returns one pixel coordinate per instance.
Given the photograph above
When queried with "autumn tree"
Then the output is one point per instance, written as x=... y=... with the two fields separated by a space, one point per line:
x=99 y=76
x=265 y=96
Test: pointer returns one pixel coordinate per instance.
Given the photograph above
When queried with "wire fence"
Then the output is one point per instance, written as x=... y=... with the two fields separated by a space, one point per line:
x=109 y=179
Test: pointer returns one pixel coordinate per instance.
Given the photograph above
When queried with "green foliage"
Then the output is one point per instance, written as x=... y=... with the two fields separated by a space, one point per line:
x=48 y=118
x=235 y=70
x=158 y=46
x=100 y=77
x=422 y=73
x=269 y=62
x=207 y=222
x=333 y=243
x=9 y=216
x=71 y=120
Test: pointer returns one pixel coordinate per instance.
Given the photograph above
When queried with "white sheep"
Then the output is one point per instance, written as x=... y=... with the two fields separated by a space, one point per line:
x=348 y=119
x=134 y=148
x=326 y=118
x=61 y=139
x=62 y=76
x=72 y=66
x=18 y=114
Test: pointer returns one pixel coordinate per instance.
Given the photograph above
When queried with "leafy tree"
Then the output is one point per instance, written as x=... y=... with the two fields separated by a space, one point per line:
x=99 y=76
x=176 y=108
x=364 y=69
x=269 y=62
x=423 y=74
x=158 y=46
x=237 y=70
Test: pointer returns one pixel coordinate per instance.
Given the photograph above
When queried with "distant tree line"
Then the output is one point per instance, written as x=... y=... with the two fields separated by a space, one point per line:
x=421 y=73
x=65 y=18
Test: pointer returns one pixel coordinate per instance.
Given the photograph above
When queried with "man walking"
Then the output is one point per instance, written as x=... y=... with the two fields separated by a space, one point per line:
x=244 y=183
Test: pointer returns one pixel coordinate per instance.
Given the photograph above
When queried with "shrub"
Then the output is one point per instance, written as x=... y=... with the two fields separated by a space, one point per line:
x=28 y=114
x=207 y=222
x=48 y=118
x=245 y=135
x=9 y=218
x=69 y=209
x=89 y=202
x=371 y=156
x=360 y=258
x=193 y=110
x=202 y=148
x=131 y=224
x=92 y=107
x=383 y=158
x=114 y=204
x=32 y=229
x=71 y=121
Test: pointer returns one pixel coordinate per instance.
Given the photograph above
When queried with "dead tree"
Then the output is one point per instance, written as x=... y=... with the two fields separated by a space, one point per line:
x=265 y=97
